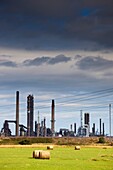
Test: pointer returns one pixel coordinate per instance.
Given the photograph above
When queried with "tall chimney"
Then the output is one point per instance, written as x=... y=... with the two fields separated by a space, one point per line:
x=74 y=127
x=86 y=119
x=100 y=127
x=53 y=118
x=103 y=129
x=44 y=127
x=93 y=129
x=71 y=127
x=38 y=126
x=17 y=113
x=110 y=120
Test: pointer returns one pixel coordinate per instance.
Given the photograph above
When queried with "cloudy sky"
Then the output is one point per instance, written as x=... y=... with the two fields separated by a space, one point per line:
x=60 y=50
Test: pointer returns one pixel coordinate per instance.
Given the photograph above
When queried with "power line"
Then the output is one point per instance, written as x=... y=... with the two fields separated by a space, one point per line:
x=78 y=98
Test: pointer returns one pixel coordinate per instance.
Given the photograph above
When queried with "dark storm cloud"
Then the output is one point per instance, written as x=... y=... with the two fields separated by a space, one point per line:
x=94 y=63
x=7 y=63
x=53 y=24
x=47 y=60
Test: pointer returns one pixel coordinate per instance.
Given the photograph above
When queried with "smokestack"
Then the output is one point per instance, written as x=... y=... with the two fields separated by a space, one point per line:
x=38 y=125
x=93 y=129
x=100 y=126
x=71 y=127
x=81 y=118
x=53 y=118
x=110 y=120
x=17 y=113
x=44 y=126
x=86 y=118
x=75 y=128
x=103 y=129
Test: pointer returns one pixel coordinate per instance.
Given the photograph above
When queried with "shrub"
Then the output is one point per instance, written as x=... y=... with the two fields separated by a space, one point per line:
x=40 y=140
x=25 y=142
x=101 y=140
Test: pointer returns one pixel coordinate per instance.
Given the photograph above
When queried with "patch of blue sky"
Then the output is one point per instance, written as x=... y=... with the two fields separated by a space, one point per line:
x=86 y=12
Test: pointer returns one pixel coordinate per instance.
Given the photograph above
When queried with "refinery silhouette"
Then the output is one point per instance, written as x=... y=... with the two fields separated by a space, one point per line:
x=43 y=131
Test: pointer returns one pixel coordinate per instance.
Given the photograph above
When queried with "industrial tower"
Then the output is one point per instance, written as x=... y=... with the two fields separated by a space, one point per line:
x=53 y=118
x=30 y=115
x=17 y=113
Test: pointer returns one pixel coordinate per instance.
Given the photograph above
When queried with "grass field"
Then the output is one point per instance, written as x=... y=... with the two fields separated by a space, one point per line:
x=62 y=158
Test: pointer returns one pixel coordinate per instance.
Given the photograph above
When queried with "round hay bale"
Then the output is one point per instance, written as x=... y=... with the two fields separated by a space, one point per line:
x=36 y=153
x=50 y=147
x=44 y=155
x=77 y=147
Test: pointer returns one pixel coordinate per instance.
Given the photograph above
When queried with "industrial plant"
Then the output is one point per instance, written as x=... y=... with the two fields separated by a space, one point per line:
x=22 y=130
x=40 y=127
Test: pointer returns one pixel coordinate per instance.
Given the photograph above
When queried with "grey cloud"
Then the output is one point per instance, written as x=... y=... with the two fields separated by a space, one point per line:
x=7 y=63
x=36 y=61
x=77 y=57
x=94 y=63
x=47 y=60
x=59 y=59
x=5 y=56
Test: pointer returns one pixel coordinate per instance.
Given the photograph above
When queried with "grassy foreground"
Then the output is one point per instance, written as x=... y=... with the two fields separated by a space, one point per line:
x=62 y=158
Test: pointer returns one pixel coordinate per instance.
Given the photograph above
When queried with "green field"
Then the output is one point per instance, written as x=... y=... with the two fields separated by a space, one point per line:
x=61 y=159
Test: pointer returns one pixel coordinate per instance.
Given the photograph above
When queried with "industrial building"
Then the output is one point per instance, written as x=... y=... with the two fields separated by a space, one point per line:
x=40 y=126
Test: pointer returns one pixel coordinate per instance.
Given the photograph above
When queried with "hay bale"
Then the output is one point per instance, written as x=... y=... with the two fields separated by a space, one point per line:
x=44 y=155
x=77 y=147
x=36 y=153
x=50 y=147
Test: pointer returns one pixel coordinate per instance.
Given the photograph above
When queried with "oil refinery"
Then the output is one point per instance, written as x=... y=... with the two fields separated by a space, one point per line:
x=84 y=130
